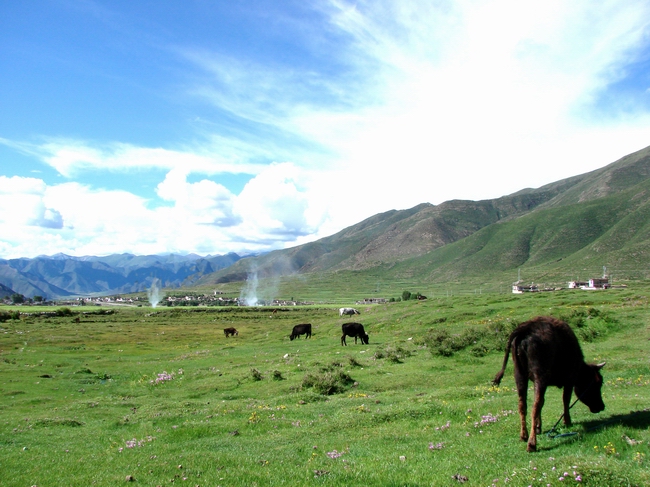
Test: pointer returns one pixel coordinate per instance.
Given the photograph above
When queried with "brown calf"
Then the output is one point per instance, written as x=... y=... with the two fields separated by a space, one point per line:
x=546 y=351
x=230 y=332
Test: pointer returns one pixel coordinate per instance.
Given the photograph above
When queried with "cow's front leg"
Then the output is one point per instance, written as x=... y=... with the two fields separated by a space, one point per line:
x=566 y=399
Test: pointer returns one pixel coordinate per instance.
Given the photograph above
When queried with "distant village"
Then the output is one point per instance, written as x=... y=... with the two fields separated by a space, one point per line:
x=594 y=284
x=218 y=298
x=189 y=299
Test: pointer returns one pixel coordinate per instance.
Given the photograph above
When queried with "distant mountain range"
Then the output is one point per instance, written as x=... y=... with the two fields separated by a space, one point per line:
x=61 y=275
x=576 y=226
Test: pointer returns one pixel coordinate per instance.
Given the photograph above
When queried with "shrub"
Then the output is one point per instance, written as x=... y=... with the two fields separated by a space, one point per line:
x=354 y=362
x=589 y=324
x=9 y=315
x=63 y=312
x=327 y=383
x=441 y=342
x=393 y=354
x=256 y=374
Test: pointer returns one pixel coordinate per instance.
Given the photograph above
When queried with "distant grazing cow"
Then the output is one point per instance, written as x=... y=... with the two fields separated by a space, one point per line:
x=348 y=311
x=230 y=332
x=304 y=329
x=354 y=330
x=546 y=351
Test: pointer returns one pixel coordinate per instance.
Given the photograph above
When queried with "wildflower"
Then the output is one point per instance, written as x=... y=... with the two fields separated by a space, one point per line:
x=334 y=454
x=162 y=377
x=438 y=446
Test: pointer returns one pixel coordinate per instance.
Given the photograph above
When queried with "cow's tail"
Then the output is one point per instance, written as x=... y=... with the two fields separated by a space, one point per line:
x=499 y=376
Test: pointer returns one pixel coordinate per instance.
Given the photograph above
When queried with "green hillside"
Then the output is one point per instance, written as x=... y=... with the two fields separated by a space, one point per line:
x=570 y=228
x=558 y=243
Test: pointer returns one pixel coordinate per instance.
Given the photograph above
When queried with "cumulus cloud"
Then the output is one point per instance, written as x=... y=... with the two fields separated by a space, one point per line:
x=23 y=203
x=202 y=216
x=276 y=203
x=204 y=202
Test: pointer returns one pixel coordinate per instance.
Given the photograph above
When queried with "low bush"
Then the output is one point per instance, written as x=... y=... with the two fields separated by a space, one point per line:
x=328 y=383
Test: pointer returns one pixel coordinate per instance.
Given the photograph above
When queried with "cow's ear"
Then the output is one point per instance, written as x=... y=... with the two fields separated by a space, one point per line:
x=601 y=365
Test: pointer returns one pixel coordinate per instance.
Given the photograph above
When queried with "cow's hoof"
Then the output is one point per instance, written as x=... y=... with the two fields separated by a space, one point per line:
x=531 y=448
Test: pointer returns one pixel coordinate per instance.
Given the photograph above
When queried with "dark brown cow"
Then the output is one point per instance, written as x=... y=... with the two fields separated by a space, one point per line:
x=304 y=329
x=546 y=351
x=230 y=332
x=354 y=330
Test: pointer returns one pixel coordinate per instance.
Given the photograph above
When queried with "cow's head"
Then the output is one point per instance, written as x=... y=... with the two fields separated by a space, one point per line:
x=588 y=387
x=364 y=338
x=292 y=336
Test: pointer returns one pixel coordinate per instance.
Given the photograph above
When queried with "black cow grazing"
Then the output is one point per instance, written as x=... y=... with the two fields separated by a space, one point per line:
x=230 y=332
x=348 y=311
x=354 y=330
x=546 y=351
x=304 y=329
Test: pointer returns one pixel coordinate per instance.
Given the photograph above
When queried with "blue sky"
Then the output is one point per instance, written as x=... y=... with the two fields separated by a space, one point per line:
x=216 y=126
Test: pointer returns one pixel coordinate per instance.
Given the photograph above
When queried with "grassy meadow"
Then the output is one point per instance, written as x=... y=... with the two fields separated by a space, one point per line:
x=160 y=397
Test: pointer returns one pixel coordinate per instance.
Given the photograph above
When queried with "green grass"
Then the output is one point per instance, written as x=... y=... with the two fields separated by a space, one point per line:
x=80 y=403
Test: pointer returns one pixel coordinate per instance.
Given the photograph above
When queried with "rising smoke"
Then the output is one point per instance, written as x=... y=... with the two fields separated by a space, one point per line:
x=258 y=291
x=249 y=293
x=155 y=293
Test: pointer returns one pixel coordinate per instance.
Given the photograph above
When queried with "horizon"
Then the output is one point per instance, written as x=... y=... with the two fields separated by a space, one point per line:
x=206 y=129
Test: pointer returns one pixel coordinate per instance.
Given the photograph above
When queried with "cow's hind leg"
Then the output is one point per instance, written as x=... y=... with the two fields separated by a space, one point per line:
x=523 y=435
x=521 y=381
x=536 y=427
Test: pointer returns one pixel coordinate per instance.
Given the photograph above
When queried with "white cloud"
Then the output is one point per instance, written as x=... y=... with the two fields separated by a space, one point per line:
x=71 y=157
x=482 y=98
x=203 y=203
x=203 y=216
x=22 y=203
x=275 y=204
